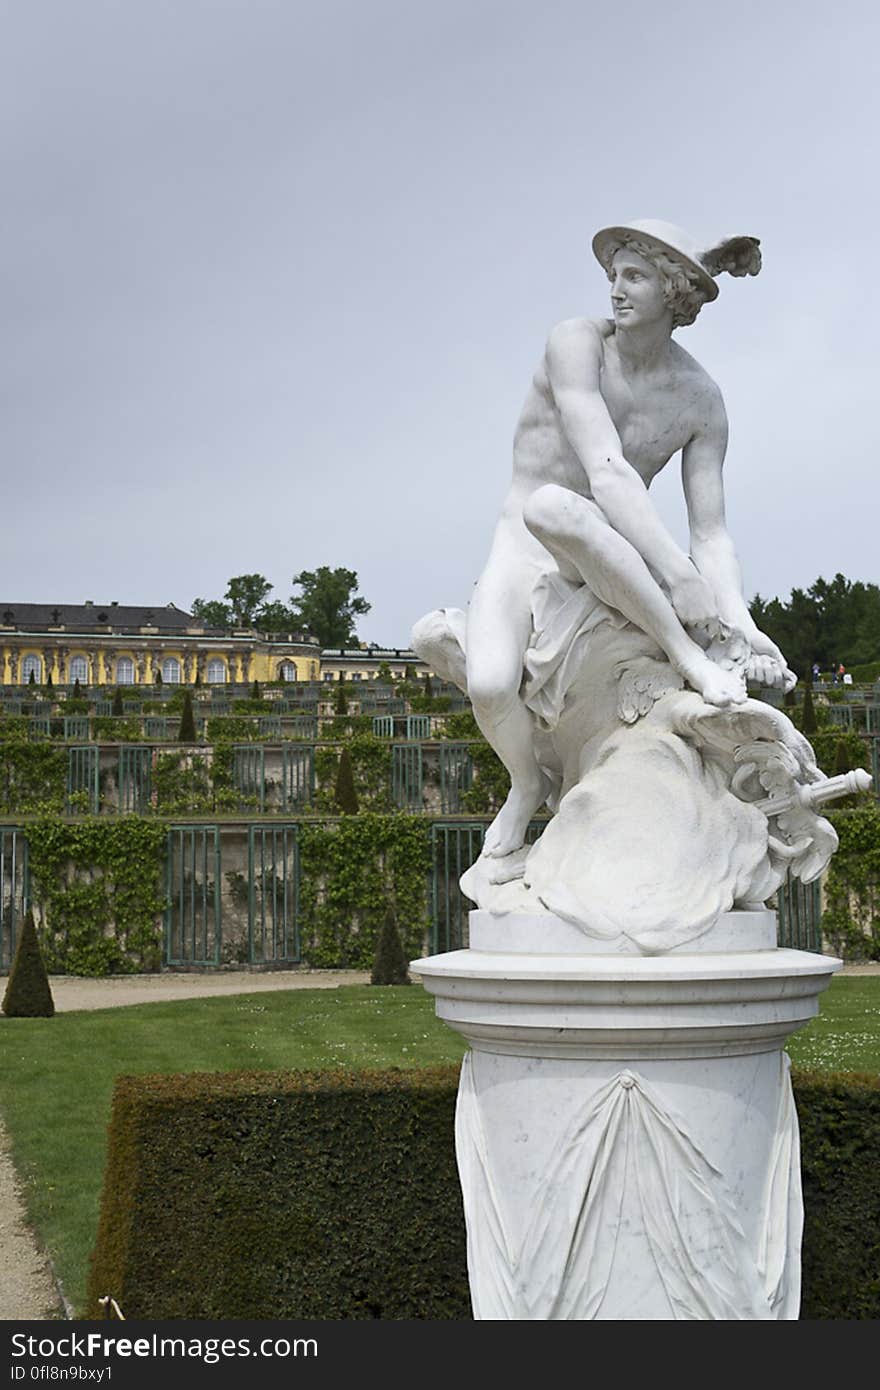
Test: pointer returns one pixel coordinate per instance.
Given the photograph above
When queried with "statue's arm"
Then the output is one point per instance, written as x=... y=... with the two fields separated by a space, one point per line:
x=573 y=359
x=712 y=547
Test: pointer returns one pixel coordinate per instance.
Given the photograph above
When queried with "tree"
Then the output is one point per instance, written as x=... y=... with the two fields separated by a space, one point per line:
x=429 y=689
x=256 y=693
x=344 y=793
x=187 y=731
x=276 y=617
x=329 y=604
x=117 y=707
x=809 y=724
x=245 y=594
x=831 y=621
x=384 y=674
x=27 y=993
x=390 y=965
x=340 y=704
x=211 y=613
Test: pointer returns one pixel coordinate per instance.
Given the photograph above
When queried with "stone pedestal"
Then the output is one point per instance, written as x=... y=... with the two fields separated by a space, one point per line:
x=626 y=1135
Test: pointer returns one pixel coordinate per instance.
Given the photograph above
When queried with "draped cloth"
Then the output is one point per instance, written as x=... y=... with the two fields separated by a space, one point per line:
x=564 y=617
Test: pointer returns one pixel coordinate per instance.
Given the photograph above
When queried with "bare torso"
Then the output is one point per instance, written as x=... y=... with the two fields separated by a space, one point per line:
x=655 y=415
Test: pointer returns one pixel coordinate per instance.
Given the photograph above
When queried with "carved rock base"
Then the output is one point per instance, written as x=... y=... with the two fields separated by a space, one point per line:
x=626 y=1135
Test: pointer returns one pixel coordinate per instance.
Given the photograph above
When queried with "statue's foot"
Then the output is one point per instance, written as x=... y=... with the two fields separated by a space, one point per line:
x=716 y=685
x=508 y=830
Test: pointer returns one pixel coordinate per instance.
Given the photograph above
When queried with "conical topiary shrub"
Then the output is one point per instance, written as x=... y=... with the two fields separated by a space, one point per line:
x=390 y=965
x=341 y=704
x=187 y=731
x=27 y=991
x=118 y=707
x=344 y=793
x=809 y=723
x=255 y=691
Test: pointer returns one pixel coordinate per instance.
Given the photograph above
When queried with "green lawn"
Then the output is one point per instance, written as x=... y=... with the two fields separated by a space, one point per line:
x=57 y=1075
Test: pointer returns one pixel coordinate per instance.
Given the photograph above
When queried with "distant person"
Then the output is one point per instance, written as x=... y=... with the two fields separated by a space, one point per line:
x=816 y=672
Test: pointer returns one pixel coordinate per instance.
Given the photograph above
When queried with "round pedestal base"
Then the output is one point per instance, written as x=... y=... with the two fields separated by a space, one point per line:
x=626 y=1136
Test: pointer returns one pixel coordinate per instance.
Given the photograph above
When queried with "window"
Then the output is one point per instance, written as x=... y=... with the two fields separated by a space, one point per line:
x=171 y=670
x=216 y=672
x=329 y=676
x=356 y=675
x=288 y=671
x=29 y=665
x=125 y=671
x=78 y=670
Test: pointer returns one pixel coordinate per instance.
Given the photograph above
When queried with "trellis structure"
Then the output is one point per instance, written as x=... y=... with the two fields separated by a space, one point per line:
x=192 y=884
x=83 y=777
x=13 y=889
x=273 y=894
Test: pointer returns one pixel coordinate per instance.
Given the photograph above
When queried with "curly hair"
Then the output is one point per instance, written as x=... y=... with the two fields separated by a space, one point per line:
x=681 y=290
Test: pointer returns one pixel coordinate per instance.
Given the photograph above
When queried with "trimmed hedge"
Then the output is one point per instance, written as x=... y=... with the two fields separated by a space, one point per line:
x=314 y=1195
x=334 y=1195
x=839 y=1117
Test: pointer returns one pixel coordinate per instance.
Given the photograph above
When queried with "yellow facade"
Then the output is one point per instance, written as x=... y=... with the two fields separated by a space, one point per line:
x=111 y=660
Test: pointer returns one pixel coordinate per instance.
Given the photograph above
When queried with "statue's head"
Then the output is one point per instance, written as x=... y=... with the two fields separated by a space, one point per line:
x=686 y=270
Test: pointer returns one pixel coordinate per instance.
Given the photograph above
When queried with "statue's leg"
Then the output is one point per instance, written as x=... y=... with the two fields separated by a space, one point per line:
x=577 y=533
x=498 y=632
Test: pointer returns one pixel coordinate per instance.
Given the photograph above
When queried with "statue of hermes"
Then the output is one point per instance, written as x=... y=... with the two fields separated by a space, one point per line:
x=611 y=402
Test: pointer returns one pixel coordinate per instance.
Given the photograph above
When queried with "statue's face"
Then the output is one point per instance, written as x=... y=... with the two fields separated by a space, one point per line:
x=637 y=290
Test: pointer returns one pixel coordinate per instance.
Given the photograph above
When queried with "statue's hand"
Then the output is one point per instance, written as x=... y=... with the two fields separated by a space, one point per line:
x=694 y=604
x=767 y=665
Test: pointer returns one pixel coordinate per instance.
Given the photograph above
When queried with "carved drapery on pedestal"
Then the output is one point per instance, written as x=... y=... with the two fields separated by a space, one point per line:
x=625 y=1133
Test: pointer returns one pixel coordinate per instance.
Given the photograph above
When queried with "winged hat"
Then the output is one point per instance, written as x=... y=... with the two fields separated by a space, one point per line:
x=738 y=255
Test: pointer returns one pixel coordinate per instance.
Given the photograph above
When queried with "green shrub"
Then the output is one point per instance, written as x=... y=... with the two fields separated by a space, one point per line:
x=33 y=775
x=187 y=731
x=390 y=965
x=350 y=870
x=867 y=674
x=851 y=919
x=344 y=793
x=371 y=770
x=308 y=1195
x=98 y=884
x=840 y=1138
x=28 y=994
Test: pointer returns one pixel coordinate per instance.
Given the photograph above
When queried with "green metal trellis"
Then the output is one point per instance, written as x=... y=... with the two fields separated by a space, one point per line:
x=14 y=889
x=273 y=894
x=192 y=919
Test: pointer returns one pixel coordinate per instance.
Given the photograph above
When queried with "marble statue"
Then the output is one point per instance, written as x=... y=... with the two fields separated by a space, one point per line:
x=607 y=668
x=626 y=1133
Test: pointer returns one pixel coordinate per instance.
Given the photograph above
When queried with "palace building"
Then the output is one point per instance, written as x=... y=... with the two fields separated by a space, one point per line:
x=117 y=644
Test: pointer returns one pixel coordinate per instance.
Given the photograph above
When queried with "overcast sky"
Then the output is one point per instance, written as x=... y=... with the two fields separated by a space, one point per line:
x=276 y=275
